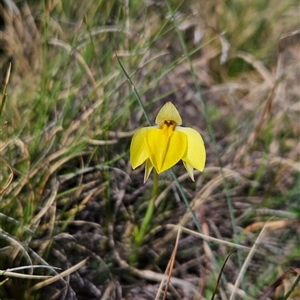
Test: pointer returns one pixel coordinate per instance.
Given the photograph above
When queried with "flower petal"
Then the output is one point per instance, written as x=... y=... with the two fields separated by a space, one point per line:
x=165 y=150
x=189 y=169
x=138 y=148
x=168 y=113
x=148 y=169
x=195 y=155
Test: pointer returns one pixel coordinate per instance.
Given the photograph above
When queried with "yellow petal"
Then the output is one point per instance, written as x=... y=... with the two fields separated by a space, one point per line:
x=189 y=169
x=165 y=148
x=148 y=169
x=195 y=155
x=138 y=148
x=168 y=113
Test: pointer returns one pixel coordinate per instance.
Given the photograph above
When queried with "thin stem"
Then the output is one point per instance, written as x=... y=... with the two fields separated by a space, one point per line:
x=4 y=95
x=155 y=185
x=287 y=295
x=134 y=90
x=186 y=202
x=149 y=213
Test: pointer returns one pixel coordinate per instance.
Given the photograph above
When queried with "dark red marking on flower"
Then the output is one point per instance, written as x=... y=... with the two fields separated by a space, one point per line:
x=169 y=122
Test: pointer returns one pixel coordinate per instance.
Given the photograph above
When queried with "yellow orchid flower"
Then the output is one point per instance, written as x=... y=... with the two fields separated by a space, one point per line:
x=162 y=146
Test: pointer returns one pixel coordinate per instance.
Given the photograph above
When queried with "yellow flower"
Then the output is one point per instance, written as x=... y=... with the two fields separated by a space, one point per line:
x=164 y=145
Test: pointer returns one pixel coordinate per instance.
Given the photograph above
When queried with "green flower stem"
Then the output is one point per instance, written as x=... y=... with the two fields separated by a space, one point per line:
x=146 y=221
x=155 y=185
x=149 y=213
x=140 y=235
x=288 y=294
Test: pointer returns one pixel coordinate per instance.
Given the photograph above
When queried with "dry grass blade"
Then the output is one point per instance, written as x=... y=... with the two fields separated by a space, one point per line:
x=290 y=38
x=79 y=58
x=169 y=269
x=20 y=275
x=4 y=95
x=57 y=277
x=271 y=289
x=258 y=65
x=274 y=225
x=247 y=262
x=208 y=238
x=10 y=176
x=15 y=248
x=185 y=285
x=47 y=206
x=287 y=40
x=2 y=282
